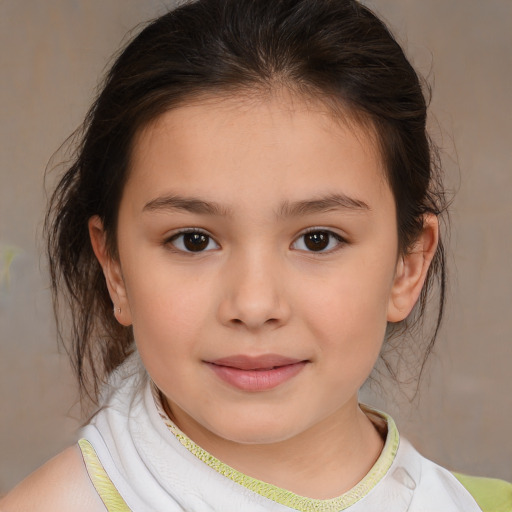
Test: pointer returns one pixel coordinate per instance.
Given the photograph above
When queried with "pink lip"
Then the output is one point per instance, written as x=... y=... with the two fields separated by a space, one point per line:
x=256 y=373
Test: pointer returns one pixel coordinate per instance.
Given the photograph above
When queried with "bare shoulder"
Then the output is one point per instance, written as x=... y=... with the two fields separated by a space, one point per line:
x=61 y=484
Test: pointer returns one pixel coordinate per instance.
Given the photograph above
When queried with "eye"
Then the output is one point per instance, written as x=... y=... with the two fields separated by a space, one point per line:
x=318 y=240
x=192 y=241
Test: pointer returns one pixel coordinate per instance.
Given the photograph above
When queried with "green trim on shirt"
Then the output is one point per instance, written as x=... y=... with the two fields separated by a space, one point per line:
x=288 y=498
x=492 y=495
x=106 y=490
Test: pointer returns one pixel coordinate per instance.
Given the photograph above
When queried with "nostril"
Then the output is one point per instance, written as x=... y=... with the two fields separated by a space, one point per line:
x=268 y=322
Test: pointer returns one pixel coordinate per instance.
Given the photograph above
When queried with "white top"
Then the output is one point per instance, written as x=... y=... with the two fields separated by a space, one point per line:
x=156 y=468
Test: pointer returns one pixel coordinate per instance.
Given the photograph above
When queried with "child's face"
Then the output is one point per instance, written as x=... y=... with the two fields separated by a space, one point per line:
x=213 y=311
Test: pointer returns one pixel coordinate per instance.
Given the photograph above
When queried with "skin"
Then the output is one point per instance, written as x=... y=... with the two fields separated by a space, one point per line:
x=61 y=484
x=258 y=288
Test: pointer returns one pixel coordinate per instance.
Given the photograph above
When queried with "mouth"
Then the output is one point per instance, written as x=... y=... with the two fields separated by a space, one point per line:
x=259 y=373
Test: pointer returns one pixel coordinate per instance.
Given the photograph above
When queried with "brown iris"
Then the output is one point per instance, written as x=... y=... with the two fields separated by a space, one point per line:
x=195 y=241
x=316 y=240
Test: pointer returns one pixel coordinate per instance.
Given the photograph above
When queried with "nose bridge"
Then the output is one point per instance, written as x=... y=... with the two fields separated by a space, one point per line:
x=254 y=294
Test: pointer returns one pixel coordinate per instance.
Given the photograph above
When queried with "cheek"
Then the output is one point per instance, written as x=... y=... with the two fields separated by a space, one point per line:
x=348 y=312
x=169 y=310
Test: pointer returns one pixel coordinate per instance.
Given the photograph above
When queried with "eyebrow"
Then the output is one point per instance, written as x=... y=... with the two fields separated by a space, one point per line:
x=323 y=204
x=187 y=204
x=329 y=202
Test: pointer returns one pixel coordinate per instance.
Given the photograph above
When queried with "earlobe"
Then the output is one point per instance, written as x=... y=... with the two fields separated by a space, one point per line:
x=411 y=271
x=111 y=270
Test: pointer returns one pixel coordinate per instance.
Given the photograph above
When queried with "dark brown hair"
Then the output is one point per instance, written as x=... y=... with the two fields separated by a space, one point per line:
x=336 y=51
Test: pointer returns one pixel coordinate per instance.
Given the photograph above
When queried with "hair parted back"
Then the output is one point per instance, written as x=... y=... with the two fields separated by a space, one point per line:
x=336 y=51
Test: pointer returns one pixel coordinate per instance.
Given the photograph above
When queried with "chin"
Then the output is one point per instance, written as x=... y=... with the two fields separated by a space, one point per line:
x=257 y=432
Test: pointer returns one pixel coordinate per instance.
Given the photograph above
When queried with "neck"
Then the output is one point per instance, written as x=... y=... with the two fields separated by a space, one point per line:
x=322 y=462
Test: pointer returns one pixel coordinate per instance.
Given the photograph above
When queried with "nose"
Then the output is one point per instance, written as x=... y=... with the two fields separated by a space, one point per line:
x=253 y=292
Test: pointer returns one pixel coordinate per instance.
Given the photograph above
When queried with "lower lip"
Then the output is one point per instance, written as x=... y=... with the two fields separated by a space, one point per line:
x=257 y=380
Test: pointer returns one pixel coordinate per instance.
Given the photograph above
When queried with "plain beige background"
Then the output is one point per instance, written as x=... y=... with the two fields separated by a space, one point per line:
x=52 y=54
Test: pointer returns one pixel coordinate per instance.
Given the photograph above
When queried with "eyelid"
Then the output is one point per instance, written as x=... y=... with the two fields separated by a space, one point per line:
x=340 y=239
x=185 y=231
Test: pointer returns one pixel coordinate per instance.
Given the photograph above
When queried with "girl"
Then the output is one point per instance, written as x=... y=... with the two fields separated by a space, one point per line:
x=251 y=215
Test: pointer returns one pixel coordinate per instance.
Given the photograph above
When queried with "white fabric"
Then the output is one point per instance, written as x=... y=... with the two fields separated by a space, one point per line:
x=154 y=472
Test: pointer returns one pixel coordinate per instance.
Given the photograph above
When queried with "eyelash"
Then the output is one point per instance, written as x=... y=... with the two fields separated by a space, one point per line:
x=331 y=234
x=193 y=231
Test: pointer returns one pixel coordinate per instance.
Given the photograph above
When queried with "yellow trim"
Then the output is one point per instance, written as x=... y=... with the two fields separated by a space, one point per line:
x=283 y=496
x=101 y=481
x=492 y=495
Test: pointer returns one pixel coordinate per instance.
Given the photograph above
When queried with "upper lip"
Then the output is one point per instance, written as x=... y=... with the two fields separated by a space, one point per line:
x=263 y=362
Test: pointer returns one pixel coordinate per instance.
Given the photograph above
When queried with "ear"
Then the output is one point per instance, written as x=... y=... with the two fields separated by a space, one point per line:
x=111 y=270
x=411 y=271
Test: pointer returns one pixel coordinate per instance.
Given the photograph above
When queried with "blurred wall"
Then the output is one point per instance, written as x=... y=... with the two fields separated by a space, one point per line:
x=51 y=57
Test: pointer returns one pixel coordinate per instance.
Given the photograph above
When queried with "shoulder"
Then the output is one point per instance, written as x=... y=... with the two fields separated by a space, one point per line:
x=435 y=488
x=61 y=484
x=491 y=494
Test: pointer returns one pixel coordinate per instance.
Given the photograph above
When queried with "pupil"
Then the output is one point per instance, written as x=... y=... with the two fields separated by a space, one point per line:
x=195 y=241
x=317 y=241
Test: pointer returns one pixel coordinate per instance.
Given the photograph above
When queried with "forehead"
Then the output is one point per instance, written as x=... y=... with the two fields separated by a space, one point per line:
x=241 y=146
